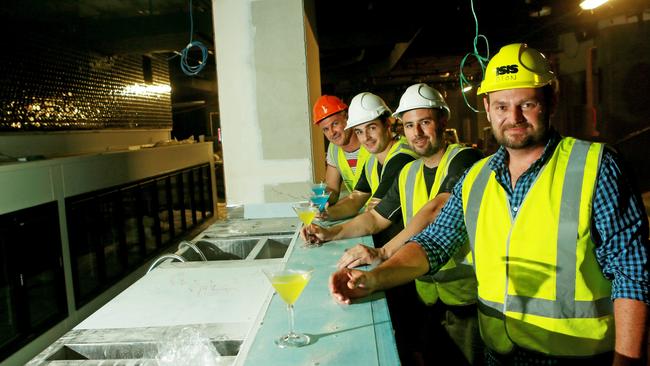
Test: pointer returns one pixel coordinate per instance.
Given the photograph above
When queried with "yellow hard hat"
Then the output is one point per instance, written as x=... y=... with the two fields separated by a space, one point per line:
x=516 y=66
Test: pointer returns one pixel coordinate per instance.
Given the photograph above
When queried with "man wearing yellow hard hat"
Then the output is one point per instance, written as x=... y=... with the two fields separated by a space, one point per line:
x=558 y=235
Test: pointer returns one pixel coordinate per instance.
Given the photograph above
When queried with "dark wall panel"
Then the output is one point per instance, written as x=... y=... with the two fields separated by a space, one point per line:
x=47 y=83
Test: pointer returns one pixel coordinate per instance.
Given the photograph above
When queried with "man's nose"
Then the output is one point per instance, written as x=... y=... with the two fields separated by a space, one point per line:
x=516 y=115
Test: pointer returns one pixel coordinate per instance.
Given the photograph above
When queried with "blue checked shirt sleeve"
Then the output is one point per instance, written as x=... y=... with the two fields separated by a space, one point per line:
x=621 y=232
x=447 y=233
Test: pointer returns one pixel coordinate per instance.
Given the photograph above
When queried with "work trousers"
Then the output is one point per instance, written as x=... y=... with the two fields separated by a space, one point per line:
x=424 y=332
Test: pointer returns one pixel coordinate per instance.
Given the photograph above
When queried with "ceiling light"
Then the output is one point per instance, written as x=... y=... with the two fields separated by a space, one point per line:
x=592 y=4
x=544 y=11
x=467 y=88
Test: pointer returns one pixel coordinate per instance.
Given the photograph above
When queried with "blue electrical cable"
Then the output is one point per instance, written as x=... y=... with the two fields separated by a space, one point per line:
x=188 y=69
x=482 y=60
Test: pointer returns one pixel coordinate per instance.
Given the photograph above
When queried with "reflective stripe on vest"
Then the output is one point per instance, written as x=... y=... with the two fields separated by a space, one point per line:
x=349 y=175
x=413 y=194
x=399 y=147
x=541 y=285
x=455 y=282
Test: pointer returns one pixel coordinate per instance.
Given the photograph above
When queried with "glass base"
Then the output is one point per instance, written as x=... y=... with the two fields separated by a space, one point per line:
x=307 y=244
x=292 y=340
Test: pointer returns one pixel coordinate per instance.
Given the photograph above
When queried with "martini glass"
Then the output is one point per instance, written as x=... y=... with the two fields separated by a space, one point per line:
x=306 y=213
x=289 y=283
x=318 y=188
x=320 y=200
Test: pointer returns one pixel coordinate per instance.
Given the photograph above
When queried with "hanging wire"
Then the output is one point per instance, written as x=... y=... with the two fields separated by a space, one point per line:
x=482 y=60
x=188 y=69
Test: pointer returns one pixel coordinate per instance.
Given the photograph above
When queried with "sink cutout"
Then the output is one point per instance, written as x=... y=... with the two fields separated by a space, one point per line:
x=274 y=248
x=127 y=351
x=242 y=248
x=227 y=249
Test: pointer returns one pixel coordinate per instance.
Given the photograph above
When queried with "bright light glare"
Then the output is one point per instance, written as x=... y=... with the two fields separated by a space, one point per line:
x=141 y=89
x=467 y=88
x=592 y=4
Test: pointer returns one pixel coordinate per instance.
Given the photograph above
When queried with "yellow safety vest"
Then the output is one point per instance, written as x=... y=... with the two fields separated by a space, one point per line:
x=540 y=285
x=455 y=283
x=350 y=177
x=400 y=146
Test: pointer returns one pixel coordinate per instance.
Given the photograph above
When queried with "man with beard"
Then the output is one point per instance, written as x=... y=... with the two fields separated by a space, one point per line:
x=558 y=235
x=424 y=114
x=344 y=153
x=369 y=119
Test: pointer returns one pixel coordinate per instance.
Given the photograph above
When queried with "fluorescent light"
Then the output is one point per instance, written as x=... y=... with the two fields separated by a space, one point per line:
x=142 y=89
x=592 y=4
x=467 y=88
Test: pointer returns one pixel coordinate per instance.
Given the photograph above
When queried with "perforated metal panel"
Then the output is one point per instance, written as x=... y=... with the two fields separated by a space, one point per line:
x=47 y=84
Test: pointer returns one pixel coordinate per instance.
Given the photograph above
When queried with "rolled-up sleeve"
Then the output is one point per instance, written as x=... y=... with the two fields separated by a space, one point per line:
x=621 y=234
x=447 y=233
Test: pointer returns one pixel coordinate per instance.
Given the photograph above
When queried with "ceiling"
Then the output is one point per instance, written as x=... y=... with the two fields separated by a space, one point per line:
x=373 y=43
x=363 y=43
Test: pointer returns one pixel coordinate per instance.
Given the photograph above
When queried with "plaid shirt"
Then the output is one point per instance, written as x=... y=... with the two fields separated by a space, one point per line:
x=619 y=220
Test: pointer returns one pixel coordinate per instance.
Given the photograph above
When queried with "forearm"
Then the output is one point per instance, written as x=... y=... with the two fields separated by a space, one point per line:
x=347 y=207
x=631 y=318
x=367 y=223
x=334 y=197
x=421 y=220
x=407 y=264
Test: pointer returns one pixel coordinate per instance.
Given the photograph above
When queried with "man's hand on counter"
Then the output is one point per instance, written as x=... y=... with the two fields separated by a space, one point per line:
x=347 y=284
x=360 y=255
x=318 y=234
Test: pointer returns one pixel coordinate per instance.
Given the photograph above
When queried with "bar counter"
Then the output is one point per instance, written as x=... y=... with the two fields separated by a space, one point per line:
x=232 y=301
x=357 y=334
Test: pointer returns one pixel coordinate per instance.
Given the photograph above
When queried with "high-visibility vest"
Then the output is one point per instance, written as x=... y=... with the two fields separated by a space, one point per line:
x=540 y=285
x=350 y=177
x=455 y=283
x=400 y=146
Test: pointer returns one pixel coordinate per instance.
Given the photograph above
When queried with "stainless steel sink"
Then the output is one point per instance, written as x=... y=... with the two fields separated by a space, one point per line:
x=140 y=346
x=273 y=248
x=208 y=249
x=246 y=248
x=227 y=249
x=128 y=350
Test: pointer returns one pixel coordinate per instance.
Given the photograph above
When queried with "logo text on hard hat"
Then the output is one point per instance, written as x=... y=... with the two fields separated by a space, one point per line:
x=507 y=69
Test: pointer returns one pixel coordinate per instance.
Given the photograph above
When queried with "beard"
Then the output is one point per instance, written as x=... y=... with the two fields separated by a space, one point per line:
x=431 y=148
x=533 y=138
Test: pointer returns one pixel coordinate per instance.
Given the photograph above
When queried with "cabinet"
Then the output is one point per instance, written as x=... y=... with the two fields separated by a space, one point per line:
x=116 y=230
x=32 y=285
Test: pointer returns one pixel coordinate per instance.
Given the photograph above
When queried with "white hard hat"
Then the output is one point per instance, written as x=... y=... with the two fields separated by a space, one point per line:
x=365 y=107
x=421 y=96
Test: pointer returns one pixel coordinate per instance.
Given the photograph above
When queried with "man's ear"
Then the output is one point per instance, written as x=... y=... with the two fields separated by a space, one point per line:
x=486 y=105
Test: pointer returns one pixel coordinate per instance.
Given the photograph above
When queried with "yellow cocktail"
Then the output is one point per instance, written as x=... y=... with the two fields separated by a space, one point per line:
x=306 y=216
x=306 y=212
x=290 y=286
x=289 y=283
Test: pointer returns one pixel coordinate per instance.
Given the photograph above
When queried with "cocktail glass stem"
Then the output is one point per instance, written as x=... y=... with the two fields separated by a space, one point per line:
x=291 y=327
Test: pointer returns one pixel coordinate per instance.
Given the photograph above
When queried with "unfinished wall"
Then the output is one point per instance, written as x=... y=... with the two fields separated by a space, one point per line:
x=264 y=99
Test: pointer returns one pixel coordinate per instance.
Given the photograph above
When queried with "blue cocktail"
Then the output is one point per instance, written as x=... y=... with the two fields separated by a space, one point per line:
x=319 y=188
x=320 y=200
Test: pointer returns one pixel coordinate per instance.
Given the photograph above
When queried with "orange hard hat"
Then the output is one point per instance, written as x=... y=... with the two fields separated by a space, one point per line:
x=326 y=106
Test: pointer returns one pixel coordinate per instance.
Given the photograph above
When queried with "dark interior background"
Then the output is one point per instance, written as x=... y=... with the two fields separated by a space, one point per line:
x=65 y=64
